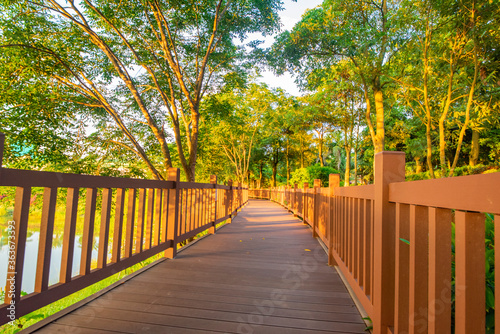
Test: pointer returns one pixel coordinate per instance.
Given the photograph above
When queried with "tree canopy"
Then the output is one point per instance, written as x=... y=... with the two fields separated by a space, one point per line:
x=132 y=88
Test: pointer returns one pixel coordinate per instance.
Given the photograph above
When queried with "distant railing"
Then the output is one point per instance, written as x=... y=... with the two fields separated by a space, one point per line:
x=392 y=241
x=149 y=217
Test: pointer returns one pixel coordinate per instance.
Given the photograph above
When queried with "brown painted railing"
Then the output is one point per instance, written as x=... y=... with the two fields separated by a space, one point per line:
x=392 y=241
x=148 y=217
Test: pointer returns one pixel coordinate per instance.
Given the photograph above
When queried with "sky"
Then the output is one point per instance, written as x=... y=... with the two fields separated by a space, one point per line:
x=289 y=17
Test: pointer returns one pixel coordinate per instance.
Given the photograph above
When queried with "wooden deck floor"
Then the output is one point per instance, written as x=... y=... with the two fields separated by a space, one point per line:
x=263 y=273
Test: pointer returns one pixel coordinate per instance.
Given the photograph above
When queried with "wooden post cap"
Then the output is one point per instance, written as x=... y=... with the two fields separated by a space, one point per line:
x=174 y=174
x=334 y=180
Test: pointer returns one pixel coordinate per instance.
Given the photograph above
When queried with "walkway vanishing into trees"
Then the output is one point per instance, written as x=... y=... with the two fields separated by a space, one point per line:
x=263 y=273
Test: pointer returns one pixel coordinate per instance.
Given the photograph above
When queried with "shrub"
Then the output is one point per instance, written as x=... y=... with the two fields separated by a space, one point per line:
x=311 y=173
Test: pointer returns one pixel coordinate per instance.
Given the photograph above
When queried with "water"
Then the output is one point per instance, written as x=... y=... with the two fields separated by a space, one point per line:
x=30 y=260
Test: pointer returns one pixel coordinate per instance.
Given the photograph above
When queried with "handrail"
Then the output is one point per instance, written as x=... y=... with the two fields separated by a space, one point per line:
x=392 y=241
x=148 y=217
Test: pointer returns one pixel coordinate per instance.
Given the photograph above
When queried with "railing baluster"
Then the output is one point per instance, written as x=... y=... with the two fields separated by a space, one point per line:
x=164 y=220
x=213 y=203
x=361 y=241
x=343 y=237
x=102 y=257
x=334 y=182
x=439 y=271
x=402 y=259
x=316 y=195
x=350 y=229
x=129 y=228
x=45 y=239
x=355 y=238
x=149 y=218
x=304 y=201
x=69 y=235
x=418 y=287
x=183 y=208
x=173 y=212
x=197 y=206
x=158 y=220
x=470 y=277
x=139 y=236
x=205 y=209
x=368 y=254
x=117 y=231
x=88 y=231
x=189 y=210
x=15 y=265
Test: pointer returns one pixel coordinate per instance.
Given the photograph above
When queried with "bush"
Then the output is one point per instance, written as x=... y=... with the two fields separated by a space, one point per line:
x=311 y=173
x=299 y=176
x=459 y=171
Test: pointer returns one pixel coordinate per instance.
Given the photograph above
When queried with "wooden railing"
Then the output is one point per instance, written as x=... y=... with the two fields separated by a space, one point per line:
x=392 y=241
x=148 y=217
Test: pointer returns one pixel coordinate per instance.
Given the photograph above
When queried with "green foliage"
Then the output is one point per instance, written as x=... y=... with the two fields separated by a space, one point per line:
x=459 y=171
x=299 y=176
x=312 y=173
x=322 y=173
x=131 y=70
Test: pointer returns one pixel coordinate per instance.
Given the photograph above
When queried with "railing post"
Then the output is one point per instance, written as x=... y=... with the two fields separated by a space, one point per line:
x=230 y=200
x=174 y=174
x=305 y=202
x=334 y=182
x=389 y=168
x=317 y=189
x=295 y=200
x=213 y=180
x=237 y=204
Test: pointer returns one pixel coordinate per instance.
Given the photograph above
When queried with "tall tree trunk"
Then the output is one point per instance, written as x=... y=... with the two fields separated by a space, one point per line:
x=275 y=172
x=471 y=93
x=260 y=176
x=442 y=119
x=474 y=152
x=321 y=150
x=428 y=114
x=355 y=168
x=287 y=162
x=419 y=165
x=347 y=175
x=302 y=153
x=379 y=112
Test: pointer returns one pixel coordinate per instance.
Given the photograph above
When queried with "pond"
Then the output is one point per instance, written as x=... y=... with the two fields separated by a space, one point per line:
x=30 y=260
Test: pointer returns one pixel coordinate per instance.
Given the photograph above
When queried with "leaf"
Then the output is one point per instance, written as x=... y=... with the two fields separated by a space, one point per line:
x=405 y=241
x=490 y=298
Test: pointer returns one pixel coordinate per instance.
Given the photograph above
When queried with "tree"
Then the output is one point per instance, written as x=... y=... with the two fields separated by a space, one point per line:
x=236 y=131
x=439 y=70
x=363 y=32
x=148 y=64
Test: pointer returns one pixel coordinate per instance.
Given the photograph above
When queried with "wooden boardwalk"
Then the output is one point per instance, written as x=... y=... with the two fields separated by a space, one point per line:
x=263 y=273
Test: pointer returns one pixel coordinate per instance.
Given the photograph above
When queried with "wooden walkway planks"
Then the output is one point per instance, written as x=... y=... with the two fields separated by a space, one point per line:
x=263 y=273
